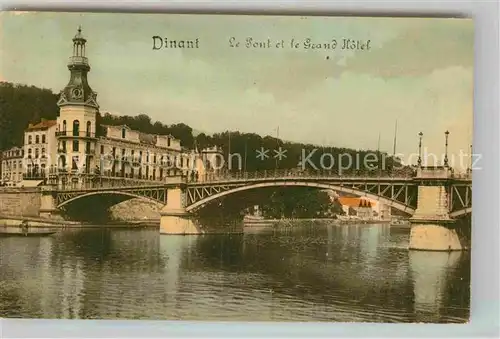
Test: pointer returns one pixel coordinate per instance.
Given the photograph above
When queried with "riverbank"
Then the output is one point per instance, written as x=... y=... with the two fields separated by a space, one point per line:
x=10 y=221
x=332 y=220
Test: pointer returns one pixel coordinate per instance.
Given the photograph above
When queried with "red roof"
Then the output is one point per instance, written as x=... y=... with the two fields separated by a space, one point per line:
x=355 y=201
x=42 y=124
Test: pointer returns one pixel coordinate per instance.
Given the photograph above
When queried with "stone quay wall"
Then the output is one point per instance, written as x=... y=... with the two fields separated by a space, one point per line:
x=20 y=202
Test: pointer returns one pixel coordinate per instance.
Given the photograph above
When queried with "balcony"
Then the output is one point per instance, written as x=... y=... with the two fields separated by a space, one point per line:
x=61 y=150
x=35 y=175
x=75 y=134
x=78 y=60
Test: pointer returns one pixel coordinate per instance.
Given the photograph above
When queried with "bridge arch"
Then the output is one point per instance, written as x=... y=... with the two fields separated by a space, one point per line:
x=126 y=194
x=390 y=202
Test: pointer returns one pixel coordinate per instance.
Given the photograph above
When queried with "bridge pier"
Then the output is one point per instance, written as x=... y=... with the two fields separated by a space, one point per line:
x=48 y=203
x=173 y=217
x=432 y=229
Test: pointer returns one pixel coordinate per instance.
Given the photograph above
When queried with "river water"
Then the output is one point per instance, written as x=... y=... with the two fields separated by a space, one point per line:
x=310 y=272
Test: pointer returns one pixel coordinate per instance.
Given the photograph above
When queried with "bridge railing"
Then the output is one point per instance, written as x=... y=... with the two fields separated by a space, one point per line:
x=282 y=173
x=103 y=182
x=100 y=182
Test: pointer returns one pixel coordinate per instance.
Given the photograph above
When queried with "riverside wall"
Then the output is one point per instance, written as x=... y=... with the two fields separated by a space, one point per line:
x=20 y=202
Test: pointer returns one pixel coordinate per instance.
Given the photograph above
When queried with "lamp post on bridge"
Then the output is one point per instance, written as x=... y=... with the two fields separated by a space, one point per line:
x=446 y=148
x=419 y=161
x=470 y=168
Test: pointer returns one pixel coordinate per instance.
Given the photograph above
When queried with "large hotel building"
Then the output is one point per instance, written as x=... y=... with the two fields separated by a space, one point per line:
x=76 y=149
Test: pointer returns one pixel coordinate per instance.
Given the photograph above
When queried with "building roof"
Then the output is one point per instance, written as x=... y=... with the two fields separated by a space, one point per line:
x=147 y=138
x=42 y=125
x=144 y=138
x=355 y=201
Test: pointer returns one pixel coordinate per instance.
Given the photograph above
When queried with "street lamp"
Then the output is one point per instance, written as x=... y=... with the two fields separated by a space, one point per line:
x=470 y=169
x=446 y=149
x=419 y=161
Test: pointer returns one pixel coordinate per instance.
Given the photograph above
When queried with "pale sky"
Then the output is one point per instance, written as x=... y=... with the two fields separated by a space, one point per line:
x=418 y=71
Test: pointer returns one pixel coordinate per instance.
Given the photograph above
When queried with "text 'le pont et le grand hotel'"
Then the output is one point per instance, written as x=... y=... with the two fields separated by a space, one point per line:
x=164 y=43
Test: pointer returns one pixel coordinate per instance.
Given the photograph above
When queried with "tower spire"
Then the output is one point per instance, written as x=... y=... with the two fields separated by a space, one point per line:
x=78 y=91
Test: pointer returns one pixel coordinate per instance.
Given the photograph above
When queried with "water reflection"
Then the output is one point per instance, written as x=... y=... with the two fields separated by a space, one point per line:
x=309 y=272
x=430 y=272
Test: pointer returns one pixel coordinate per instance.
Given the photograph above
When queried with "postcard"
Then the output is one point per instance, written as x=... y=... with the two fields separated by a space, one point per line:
x=235 y=167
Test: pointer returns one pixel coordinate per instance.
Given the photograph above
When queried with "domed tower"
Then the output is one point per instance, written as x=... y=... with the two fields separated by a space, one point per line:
x=76 y=123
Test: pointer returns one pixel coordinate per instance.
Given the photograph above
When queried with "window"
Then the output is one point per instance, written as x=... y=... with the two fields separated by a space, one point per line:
x=123 y=133
x=64 y=125
x=43 y=152
x=76 y=128
x=88 y=128
x=30 y=139
x=36 y=153
x=14 y=164
x=168 y=141
x=62 y=162
x=87 y=147
x=64 y=146
x=43 y=138
x=29 y=152
x=102 y=149
x=75 y=163
x=75 y=145
x=37 y=139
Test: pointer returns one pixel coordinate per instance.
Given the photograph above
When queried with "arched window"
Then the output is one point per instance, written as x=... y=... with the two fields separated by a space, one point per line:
x=43 y=139
x=36 y=153
x=30 y=139
x=37 y=139
x=88 y=128
x=76 y=127
x=64 y=125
